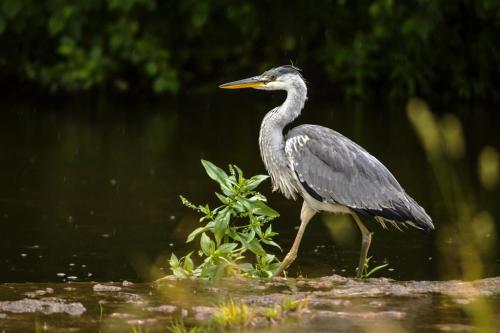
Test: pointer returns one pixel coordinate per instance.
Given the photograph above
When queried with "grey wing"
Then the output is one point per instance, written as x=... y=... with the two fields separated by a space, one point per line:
x=334 y=169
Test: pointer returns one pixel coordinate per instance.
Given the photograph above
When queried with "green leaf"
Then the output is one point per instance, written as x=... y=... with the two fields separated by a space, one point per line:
x=227 y=248
x=253 y=246
x=216 y=173
x=221 y=225
x=367 y=275
x=272 y=243
x=250 y=236
x=221 y=197
x=239 y=174
x=255 y=181
x=173 y=260
x=188 y=262
x=179 y=272
x=195 y=233
x=257 y=196
x=204 y=209
x=259 y=207
x=205 y=244
x=246 y=267
x=209 y=271
x=269 y=232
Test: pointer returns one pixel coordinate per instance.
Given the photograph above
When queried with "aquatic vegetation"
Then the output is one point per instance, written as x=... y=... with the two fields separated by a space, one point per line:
x=139 y=329
x=239 y=315
x=231 y=231
x=178 y=326
x=234 y=314
x=38 y=327
x=367 y=272
x=101 y=310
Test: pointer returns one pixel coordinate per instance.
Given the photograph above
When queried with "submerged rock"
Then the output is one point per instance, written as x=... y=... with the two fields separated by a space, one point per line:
x=162 y=308
x=105 y=287
x=47 y=306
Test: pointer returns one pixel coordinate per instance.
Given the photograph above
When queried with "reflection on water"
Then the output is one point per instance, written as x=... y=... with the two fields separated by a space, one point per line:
x=89 y=192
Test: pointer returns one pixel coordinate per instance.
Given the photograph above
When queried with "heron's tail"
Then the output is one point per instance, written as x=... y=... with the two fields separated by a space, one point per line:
x=401 y=211
x=421 y=220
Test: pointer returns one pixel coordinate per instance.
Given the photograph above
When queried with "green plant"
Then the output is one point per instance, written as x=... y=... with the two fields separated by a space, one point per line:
x=101 y=310
x=367 y=272
x=178 y=326
x=138 y=329
x=232 y=230
x=234 y=314
x=38 y=327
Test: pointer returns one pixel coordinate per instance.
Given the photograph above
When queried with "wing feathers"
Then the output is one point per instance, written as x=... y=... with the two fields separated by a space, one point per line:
x=337 y=170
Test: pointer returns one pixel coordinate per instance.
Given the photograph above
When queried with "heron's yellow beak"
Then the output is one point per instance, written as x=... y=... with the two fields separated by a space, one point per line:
x=252 y=82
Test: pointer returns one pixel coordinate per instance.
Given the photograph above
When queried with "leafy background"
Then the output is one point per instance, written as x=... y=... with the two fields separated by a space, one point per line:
x=431 y=48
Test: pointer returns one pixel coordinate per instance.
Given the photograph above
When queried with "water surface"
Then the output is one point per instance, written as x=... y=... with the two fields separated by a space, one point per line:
x=89 y=190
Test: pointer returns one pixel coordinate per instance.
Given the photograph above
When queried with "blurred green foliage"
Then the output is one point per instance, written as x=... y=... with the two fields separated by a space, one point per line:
x=426 y=47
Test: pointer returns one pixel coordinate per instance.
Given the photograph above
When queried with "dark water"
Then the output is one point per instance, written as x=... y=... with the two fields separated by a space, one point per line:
x=89 y=190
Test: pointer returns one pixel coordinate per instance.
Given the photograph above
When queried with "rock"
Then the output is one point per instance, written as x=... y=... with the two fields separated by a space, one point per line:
x=162 y=308
x=47 y=306
x=104 y=287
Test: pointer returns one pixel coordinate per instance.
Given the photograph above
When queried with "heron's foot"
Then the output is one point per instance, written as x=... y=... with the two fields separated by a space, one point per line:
x=359 y=272
x=290 y=257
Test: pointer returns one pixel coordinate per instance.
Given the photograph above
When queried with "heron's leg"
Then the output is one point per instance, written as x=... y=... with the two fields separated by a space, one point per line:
x=305 y=216
x=366 y=239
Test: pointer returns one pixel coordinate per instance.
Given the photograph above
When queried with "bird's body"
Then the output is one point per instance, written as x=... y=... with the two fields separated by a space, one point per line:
x=334 y=170
x=329 y=171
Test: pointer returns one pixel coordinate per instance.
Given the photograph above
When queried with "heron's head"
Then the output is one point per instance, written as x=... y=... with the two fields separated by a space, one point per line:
x=279 y=78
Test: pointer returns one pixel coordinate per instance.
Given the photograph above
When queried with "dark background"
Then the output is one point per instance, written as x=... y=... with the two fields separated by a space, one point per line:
x=380 y=48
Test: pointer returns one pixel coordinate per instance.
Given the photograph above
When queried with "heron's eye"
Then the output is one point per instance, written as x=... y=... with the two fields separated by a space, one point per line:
x=272 y=78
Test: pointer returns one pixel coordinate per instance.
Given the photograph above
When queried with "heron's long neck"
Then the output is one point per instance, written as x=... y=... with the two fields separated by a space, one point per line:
x=271 y=139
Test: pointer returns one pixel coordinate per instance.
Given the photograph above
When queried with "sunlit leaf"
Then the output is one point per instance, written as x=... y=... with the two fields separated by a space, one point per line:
x=246 y=267
x=216 y=173
x=255 y=181
x=239 y=173
x=253 y=246
x=249 y=236
x=263 y=209
x=367 y=275
x=195 y=233
x=188 y=262
x=271 y=243
x=221 y=197
x=227 y=247
x=174 y=261
x=205 y=244
x=221 y=224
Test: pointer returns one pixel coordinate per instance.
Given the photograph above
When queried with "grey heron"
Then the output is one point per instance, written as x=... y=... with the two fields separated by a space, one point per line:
x=329 y=171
